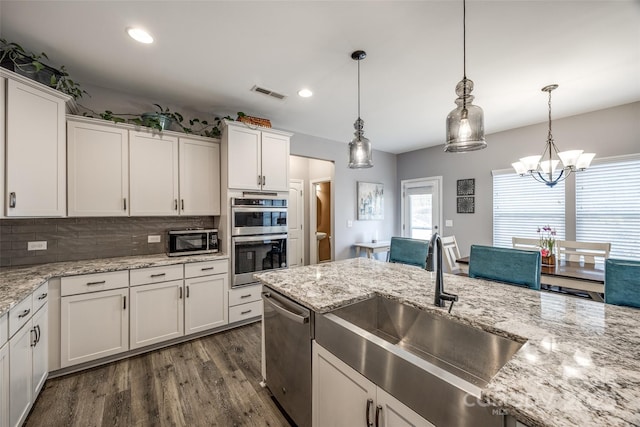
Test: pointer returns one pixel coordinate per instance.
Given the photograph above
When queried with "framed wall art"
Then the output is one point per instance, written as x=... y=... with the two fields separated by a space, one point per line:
x=466 y=205
x=370 y=201
x=466 y=187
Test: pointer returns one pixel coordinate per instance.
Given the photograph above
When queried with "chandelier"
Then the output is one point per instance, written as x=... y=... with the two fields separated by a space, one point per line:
x=360 y=153
x=543 y=168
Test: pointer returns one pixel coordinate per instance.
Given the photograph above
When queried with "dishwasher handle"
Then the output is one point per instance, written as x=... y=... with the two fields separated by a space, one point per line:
x=277 y=306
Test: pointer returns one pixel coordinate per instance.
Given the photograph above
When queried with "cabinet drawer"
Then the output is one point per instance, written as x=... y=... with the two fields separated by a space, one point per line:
x=94 y=282
x=40 y=296
x=245 y=311
x=4 y=329
x=20 y=314
x=205 y=268
x=245 y=294
x=165 y=273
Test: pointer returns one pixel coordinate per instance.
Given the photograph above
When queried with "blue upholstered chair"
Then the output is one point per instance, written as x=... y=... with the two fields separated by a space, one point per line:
x=513 y=266
x=622 y=282
x=409 y=251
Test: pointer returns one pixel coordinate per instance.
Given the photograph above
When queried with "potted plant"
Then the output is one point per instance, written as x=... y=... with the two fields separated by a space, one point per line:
x=547 y=244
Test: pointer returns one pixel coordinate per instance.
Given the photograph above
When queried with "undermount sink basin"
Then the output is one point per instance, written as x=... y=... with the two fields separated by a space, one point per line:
x=433 y=364
x=321 y=235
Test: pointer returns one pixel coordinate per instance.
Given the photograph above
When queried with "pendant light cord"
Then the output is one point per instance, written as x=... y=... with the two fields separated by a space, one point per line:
x=358 y=88
x=464 y=40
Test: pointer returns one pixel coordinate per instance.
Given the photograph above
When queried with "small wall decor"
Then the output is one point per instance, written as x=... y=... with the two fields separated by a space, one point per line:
x=466 y=187
x=466 y=205
x=370 y=201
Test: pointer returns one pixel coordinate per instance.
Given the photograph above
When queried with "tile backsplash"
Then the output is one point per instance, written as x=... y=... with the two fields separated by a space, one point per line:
x=70 y=239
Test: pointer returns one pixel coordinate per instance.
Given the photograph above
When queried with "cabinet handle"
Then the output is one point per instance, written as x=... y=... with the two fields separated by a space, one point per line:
x=24 y=313
x=182 y=204
x=259 y=180
x=101 y=282
x=369 y=404
x=158 y=275
x=206 y=268
x=34 y=336
x=264 y=180
x=378 y=412
x=125 y=203
x=245 y=312
x=43 y=296
x=187 y=291
x=180 y=293
x=175 y=204
x=38 y=333
x=245 y=296
x=12 y=199
x=124 y=305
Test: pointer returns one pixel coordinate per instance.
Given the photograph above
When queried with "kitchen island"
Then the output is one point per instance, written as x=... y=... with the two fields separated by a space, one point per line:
x=580 y=365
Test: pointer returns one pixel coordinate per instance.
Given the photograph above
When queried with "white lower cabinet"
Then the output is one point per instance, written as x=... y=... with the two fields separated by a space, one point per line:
x=157 y=313
x=40 y=350
x=93 y=325
x=344 y=397
x=205 y=304
x=4 y=385
x=245 y=303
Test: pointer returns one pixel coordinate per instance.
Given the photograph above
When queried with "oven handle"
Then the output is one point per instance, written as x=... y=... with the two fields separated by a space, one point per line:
x=269 y=209
x=260 y=238
x=282 y=310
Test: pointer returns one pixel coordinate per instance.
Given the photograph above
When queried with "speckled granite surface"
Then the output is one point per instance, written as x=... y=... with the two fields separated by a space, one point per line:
x=18 y=283
x=581 y=363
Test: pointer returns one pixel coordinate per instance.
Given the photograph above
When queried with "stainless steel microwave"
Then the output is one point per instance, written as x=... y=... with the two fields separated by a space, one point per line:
x=193 y=242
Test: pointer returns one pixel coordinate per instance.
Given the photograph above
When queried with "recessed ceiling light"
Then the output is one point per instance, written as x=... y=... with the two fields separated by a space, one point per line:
x=140 y=35
x=305 y=93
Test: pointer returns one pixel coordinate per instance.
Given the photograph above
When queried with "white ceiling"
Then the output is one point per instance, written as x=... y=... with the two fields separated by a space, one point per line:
x=209 y=54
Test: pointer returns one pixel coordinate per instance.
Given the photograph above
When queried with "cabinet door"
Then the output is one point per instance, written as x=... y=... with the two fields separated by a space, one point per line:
x=98 y=172
x=153 y=174
x=20 y=384
x=3 y=134
x=393 y=413
x=340 y=394
x=199 y=177
x=244 y=158
x=275 y=162
x=205 y=303
x=93 y=325
x=40 y=349
x=36 y=161
x=4 y=385
x=156 y=313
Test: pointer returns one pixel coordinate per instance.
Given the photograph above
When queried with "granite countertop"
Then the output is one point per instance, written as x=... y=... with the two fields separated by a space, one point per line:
x=18 y=283
x=581 y=363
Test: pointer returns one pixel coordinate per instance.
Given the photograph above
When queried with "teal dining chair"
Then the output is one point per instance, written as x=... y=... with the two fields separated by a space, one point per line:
x=622 y=282
x=404 y=250
x=512 y=266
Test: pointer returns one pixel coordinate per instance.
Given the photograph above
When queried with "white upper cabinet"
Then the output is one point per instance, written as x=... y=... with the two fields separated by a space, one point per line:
x=153 y=177
x=256 y=159
x=98 y=173
x=35 y=151
x=199 y=177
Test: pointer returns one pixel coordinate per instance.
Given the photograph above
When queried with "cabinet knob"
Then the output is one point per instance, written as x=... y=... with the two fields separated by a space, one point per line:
x=24 y=313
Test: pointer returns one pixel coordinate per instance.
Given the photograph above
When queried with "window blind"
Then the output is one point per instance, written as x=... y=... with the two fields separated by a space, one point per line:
x=608 y=205
x=522 y=204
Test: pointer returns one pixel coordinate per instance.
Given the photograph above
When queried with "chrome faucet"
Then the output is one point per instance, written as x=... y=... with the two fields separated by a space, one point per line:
x=440 y=295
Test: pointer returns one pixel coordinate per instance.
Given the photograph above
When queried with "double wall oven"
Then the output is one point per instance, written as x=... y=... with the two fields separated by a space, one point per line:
x=258 y=237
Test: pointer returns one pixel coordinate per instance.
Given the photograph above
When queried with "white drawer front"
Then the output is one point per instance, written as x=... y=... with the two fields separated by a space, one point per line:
x=165 y=273
x=245 y=294
x=4 y=329
x=40 y=296
x=205 y=268
x=73 y=285
x=245 y=311
x=20 y=314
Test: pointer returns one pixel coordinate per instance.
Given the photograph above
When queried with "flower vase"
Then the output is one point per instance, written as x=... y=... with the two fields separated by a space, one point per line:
x=549 y=260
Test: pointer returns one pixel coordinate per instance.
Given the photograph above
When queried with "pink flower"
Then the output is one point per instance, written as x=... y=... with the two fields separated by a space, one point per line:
x=545 y=252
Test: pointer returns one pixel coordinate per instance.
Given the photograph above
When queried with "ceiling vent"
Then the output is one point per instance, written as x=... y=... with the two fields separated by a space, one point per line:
x=268 y=92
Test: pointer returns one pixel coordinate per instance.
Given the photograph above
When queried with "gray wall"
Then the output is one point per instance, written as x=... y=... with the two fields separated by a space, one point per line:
x=610 y=132
x=345 y=179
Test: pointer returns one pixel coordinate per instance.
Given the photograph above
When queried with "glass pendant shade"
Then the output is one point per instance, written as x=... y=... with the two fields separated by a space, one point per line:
x=360 y=152
x=584 y=161
x=519 y=168
x=570 y=158
x=530 y=163
x=548 y=166
x=465 y=124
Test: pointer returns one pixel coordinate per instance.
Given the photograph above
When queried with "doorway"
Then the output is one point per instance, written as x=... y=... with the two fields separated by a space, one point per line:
x=321 y=233
x=421 y=208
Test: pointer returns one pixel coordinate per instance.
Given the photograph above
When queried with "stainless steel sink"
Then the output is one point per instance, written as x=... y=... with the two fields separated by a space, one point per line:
x=435 y=365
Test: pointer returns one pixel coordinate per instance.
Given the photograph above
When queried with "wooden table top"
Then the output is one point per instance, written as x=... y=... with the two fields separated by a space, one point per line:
x=569 y=269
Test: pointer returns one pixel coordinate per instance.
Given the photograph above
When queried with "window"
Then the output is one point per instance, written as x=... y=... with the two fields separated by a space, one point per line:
x=522 y=204
x=608 y=205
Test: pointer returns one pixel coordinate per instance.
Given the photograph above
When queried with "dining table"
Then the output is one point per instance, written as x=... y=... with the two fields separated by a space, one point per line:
x=580 y=276
x=372 y=247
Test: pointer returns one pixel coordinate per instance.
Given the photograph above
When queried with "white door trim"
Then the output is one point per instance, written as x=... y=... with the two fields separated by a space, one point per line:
x=300 y=182
x=420 y=182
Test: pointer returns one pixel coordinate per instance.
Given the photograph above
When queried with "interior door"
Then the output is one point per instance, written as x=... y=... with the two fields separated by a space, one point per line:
x=421 y=207
x=295 y=219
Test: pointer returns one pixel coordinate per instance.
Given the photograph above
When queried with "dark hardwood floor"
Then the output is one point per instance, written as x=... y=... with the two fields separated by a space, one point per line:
x=211 y=381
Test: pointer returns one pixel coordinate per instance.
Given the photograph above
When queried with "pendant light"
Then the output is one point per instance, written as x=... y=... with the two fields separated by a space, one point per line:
x=465 y=124
x=542 y=168
x=359 y=148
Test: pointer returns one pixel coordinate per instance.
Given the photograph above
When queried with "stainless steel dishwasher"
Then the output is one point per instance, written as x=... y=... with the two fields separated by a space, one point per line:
x=288 y=330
